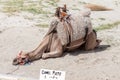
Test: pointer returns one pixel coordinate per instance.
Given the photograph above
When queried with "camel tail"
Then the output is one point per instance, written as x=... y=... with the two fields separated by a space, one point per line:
x=95 y=7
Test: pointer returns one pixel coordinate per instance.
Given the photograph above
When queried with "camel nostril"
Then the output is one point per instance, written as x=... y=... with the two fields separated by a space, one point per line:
x=15 y=62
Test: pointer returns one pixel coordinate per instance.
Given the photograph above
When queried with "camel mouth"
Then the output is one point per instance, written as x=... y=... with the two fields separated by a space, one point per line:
x=20 y=61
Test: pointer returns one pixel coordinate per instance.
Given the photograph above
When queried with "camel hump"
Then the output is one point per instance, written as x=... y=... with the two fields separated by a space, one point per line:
x=95 y=7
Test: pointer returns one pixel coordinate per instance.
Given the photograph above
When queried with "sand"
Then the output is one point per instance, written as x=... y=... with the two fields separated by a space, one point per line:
x=18 y=33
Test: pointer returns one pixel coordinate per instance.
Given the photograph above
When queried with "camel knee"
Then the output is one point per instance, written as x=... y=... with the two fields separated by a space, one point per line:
x=53 y=54
x=58 y=54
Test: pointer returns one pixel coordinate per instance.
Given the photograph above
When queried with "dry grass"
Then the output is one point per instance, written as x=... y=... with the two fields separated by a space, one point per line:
x=107 y=26
x=42 y=25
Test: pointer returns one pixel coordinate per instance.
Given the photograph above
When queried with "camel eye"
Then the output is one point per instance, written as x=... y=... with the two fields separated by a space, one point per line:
x=23 y=58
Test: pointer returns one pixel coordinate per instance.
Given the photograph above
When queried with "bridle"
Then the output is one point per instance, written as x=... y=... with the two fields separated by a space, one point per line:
x=21 y=60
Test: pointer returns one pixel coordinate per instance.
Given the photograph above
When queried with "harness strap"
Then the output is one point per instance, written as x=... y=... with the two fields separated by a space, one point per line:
x=86 y=33
x=68 y=28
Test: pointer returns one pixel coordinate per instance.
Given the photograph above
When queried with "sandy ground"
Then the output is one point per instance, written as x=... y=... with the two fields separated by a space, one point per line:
x=18 y=33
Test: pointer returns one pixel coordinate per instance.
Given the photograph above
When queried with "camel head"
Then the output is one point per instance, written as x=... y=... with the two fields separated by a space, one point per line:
x=21 y=59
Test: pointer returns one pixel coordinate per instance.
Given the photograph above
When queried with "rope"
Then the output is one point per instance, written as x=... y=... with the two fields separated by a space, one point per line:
x=13 y=70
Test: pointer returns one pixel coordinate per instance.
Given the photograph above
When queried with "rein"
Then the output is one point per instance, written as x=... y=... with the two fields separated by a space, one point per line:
x=14 y=70
x=68 y=28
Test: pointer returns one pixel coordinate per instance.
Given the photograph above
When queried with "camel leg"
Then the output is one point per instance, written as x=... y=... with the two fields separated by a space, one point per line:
x=56 y=49
x=37 y=53
x=91 y=41
x=53 y=54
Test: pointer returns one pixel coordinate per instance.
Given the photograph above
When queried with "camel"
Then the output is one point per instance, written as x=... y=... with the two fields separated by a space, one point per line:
x=67 y=32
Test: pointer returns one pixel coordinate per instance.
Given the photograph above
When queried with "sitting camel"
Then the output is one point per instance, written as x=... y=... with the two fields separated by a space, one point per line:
x=67 y=32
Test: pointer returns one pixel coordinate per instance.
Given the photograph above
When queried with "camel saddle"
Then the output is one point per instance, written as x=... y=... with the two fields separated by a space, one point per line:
x=72 y=29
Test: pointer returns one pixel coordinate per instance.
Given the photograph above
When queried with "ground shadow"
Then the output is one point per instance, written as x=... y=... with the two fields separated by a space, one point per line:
x=81 y=51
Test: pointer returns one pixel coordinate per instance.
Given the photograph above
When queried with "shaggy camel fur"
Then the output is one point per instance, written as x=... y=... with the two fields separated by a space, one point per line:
x=53 y=44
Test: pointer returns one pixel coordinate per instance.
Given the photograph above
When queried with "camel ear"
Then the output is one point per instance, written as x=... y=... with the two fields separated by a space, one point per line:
x=64 y=8
x=20 y=53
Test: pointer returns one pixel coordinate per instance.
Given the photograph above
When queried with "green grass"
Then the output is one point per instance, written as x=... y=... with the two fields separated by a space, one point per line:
x=102 y=18
x=35 y=7
x=52 y=2
x=82 y=2
x=75 y=9
x=12 y=5
x=107 y=26
x=42 y=25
